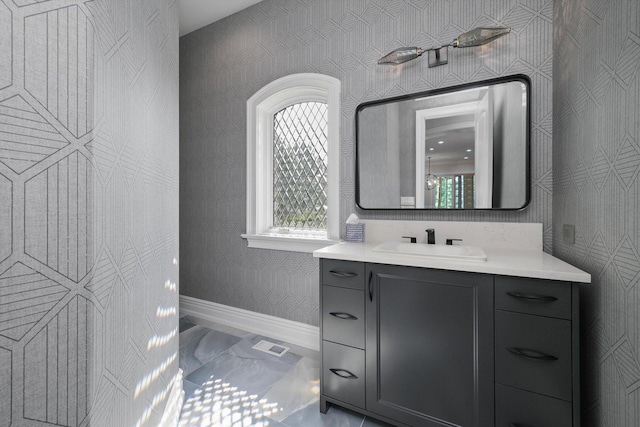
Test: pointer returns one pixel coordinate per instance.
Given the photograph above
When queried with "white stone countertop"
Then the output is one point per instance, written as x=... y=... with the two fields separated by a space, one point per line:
x=507 y=262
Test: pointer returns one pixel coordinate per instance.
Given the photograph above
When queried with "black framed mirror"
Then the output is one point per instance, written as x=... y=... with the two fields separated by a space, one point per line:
x=462 y=147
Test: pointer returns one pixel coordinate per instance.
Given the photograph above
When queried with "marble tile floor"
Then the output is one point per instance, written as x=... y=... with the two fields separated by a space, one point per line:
x=227 y=383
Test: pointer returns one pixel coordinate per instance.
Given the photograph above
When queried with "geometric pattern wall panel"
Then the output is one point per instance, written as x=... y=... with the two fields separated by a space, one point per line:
x=116 y=208
x=21 y=3
x=116 y=21
x=59 y=65
x=117 y=335
x=5 y=386
x=343 y=39
x=596 y=155
x=102 y=279
x=103 y=153
x=134 y=150
x=58 y=219
x=129 y=264
x=140 y=331
x=58 y=365
x=27 y=296
x=6 y=213
x=627 y=162
x=6 y=52
x=26 y=138
x=111 y=403
x=88 y=104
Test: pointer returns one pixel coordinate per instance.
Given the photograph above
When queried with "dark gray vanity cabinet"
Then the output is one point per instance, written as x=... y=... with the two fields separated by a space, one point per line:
x=424 y=347
x=429 y=346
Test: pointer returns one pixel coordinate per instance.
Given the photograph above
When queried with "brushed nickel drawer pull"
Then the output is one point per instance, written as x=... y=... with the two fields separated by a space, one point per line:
x=343 y=373
x=532 y=354
x=343 y=274
x=532 y=297
x=344 y=316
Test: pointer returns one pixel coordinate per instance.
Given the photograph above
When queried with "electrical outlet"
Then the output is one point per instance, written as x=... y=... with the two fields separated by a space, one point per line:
x=569 y=234
x=407 y=201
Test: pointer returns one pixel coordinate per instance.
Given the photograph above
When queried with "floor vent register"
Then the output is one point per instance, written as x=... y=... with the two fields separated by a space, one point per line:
x=271 y=348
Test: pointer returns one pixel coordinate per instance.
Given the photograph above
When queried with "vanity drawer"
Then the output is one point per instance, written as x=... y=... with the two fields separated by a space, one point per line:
x=522 y=408
x=532 y=296
x=533 y=353
x=347 y=274
x=343 y=316
x=343 y=373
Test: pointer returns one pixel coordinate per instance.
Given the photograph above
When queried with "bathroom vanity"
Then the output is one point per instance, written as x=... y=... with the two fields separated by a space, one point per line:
x=425 y=341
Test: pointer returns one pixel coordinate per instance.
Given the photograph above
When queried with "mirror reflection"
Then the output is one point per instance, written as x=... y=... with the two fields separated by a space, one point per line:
x=459 y=148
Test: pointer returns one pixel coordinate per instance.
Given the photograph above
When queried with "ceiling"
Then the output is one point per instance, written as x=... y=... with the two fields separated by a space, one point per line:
x=451 y=139
x=195 y=14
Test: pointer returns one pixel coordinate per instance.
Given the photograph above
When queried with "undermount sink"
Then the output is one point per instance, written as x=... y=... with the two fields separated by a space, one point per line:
x=466 y=253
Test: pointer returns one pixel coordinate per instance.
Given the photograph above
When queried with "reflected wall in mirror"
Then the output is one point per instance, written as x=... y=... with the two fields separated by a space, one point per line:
x=470 y=142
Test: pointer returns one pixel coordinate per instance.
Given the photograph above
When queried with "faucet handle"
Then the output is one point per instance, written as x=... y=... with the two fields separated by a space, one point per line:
x=413 y=239
x=450 y=241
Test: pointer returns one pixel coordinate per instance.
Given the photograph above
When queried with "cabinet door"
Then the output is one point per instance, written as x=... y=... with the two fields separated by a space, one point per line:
x=429 y=341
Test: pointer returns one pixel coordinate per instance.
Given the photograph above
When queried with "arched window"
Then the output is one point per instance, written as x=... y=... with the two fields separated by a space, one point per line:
x=292 y=163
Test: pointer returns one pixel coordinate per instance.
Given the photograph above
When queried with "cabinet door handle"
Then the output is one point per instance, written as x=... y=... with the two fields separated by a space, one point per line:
x=518 y=425
x=344 y=316
x=532 y=297
x=532 y=354
x=343 y=274
x=370 y=287
x=343 y=373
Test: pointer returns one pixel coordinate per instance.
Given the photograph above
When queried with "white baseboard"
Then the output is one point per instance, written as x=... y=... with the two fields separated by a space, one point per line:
x=274 y=327
x=171 y=414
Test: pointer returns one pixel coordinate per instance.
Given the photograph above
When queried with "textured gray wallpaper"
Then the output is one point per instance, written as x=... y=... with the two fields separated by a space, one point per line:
x=596 y=158
x=380 y=163
x=88 y=212
x=224 y=64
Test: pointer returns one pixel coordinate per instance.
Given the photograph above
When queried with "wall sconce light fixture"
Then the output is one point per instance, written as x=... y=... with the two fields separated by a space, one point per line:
x=439 y=55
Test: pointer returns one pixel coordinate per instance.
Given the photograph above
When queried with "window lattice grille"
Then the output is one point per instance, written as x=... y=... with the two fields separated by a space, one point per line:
x=300 y=166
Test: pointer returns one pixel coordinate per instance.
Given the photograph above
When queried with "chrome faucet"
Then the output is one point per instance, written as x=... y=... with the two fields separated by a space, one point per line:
x=431 y=236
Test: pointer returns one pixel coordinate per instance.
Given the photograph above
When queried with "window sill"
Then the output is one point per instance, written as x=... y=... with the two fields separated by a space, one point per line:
x=291 y=243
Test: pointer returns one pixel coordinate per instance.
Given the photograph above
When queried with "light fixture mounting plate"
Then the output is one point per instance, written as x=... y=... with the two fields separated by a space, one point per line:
x=438 y=56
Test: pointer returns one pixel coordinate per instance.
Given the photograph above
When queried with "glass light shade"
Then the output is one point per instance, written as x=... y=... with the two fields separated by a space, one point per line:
x=479 y=36
x=400 y=55
x=431 y=181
